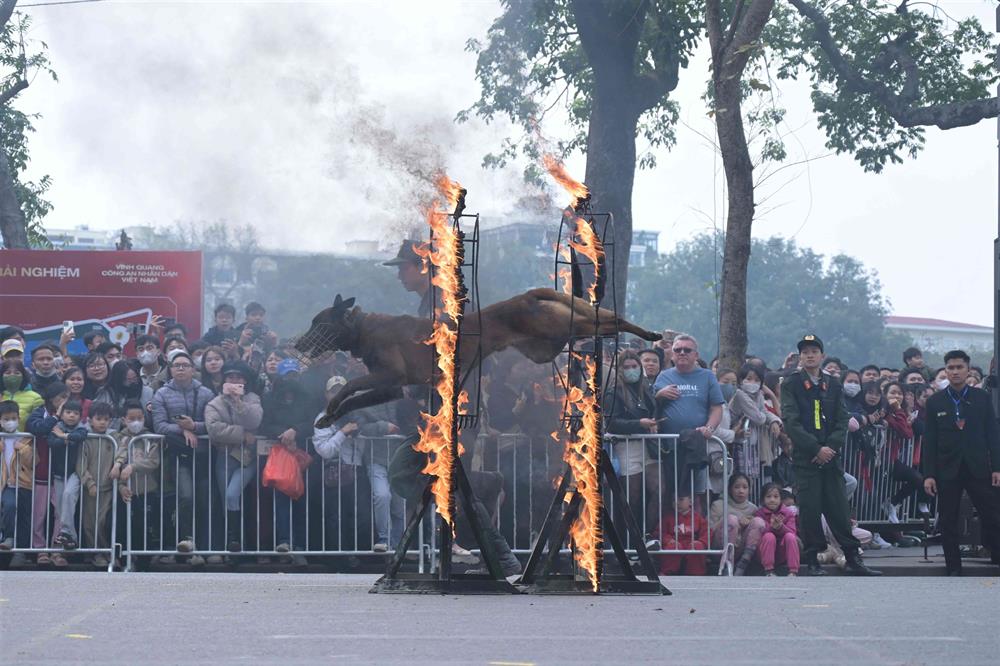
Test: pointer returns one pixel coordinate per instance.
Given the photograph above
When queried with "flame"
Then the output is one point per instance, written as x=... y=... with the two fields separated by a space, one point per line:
x=581 y=452
x=445 y=254
x=557 y=170
x=589 y=245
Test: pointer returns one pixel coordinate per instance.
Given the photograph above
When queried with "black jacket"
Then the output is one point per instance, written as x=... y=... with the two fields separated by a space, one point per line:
x=631 y=403
x=946 y=446
x=798 y=410
x=287 y=406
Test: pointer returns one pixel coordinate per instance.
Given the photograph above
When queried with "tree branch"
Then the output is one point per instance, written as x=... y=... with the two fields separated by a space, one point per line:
x=748 y=30
x=12 y=92
x=900 y=107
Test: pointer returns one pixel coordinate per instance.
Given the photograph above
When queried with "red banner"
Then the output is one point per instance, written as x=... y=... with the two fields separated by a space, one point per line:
x=115 y=292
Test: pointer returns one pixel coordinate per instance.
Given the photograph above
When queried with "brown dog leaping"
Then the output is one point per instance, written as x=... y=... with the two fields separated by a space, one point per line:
x=538 y=323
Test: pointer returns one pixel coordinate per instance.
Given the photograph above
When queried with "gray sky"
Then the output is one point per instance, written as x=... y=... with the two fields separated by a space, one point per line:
x=313 y=121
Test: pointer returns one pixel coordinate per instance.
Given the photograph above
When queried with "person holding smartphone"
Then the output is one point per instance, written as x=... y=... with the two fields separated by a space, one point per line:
x=232 y=419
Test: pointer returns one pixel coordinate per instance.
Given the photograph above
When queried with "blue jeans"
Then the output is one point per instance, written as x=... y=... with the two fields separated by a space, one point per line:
x=388 y=508
x=15 y=516
x=289 y=520
x=232 y=478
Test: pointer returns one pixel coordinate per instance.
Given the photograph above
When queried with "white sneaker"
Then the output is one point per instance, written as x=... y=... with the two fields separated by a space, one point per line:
x=880 y=542
x=890 y=511
x=380 y=547
x=461 y=555
x=923 y=509
x=653 y=544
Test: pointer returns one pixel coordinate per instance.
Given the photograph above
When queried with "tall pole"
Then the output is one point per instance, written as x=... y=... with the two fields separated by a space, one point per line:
x=996 y=265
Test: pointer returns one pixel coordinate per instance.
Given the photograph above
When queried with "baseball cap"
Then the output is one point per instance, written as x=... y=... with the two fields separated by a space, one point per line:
x=288 y=365
x=13 y=344
x=334 y=382
x=406 y=255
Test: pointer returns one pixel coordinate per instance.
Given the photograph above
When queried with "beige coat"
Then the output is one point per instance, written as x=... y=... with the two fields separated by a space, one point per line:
x=145 y=462
x=93 y=465
x=228 y=420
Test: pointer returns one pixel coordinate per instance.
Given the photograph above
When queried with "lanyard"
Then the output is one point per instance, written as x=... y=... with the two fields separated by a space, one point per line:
x=958 y=401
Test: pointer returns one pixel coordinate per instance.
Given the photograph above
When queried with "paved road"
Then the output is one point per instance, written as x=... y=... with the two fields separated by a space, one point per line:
x=67 y=617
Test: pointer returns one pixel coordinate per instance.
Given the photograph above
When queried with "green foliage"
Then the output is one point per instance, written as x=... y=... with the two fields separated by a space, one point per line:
x=533 y=62
x=791 y=291
x=15 y=125
x=947 y=61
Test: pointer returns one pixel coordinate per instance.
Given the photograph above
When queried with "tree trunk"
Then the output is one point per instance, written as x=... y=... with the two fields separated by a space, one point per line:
x=609 y=33
x=12 y=223
x=732 y=47
x=610 y=175
x=739 y=181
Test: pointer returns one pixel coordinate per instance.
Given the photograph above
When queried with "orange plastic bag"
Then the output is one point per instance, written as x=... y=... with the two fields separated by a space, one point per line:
x=283 y=471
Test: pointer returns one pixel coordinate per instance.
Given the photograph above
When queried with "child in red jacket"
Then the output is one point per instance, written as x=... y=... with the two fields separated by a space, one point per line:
x=779 y=543
x=686 y=531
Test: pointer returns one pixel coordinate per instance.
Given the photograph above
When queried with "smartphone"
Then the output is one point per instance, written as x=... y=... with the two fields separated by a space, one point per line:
x=138 y=329
x=67 y=326
x=178 y=418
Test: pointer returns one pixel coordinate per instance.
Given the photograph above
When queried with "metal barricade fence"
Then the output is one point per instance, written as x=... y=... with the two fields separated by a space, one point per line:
x=868 y=457
x=54 y=509
x=531 y=468
x=205 y=502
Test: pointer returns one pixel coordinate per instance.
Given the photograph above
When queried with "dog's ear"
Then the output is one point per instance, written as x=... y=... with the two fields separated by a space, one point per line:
x=337 y=302
x=346 y=304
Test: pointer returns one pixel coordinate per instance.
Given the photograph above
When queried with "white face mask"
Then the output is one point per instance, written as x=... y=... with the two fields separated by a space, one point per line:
x=750 y=387
x=57 y=362
x=135 y=427
x=147 y=357
x=51 y=372
x=851 y=389
x=9 y=425
x=941 y=384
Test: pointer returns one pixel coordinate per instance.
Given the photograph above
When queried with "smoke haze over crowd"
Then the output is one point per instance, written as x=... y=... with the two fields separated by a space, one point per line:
x=315 y=121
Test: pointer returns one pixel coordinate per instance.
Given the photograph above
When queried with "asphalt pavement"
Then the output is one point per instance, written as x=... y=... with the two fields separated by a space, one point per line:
x=151 y=618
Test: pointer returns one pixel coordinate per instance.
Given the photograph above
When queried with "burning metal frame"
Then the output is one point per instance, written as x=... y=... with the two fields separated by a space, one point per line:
x=578 y=513
x=450 y=254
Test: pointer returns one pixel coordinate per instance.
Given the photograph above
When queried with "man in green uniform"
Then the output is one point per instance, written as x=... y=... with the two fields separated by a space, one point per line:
x=815 y=417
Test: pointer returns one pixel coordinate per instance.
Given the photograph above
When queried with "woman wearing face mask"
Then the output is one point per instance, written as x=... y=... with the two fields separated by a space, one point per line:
x=16 y=382
x=211 y=369
x=126 y=385
x=760 y=425
x=634 y=413
x=940 y=382
x=97 y=386
x=75 y=381
x=232 y=419
x=853 y=399
x=899 y=421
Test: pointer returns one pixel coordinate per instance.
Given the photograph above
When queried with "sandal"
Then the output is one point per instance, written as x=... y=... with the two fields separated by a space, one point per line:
x=68 y=543
x=43 y=560
x=58 y=560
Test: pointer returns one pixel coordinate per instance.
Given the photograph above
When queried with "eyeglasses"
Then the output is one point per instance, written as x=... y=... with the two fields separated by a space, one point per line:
x=181 y=366
x=683 y=350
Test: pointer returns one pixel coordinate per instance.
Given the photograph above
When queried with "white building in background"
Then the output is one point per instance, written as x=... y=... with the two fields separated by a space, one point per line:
x=82 y=237
x=940 y=335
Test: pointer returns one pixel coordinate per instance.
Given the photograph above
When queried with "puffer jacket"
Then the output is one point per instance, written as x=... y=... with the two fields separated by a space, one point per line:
x=228 y=420
x=171 y=400
x=18 y=473
x=145 y=461
x=27 y=402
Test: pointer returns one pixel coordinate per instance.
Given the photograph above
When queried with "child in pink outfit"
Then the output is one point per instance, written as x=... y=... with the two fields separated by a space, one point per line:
x=779 y=542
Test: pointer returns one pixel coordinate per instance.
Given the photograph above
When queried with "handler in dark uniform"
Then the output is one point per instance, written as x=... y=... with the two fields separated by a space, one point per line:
x=815 y=417
x=410 y=271
x=962 y=452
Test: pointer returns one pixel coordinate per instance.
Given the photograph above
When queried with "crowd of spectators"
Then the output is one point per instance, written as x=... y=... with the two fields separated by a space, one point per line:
x=221 y=399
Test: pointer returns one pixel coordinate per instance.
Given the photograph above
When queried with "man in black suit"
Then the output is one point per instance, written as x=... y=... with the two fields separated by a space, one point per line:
x=962 y=452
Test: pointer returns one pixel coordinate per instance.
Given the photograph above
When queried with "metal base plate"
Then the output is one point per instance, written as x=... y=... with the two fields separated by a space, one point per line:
x=568 y=585
x=414 y=583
